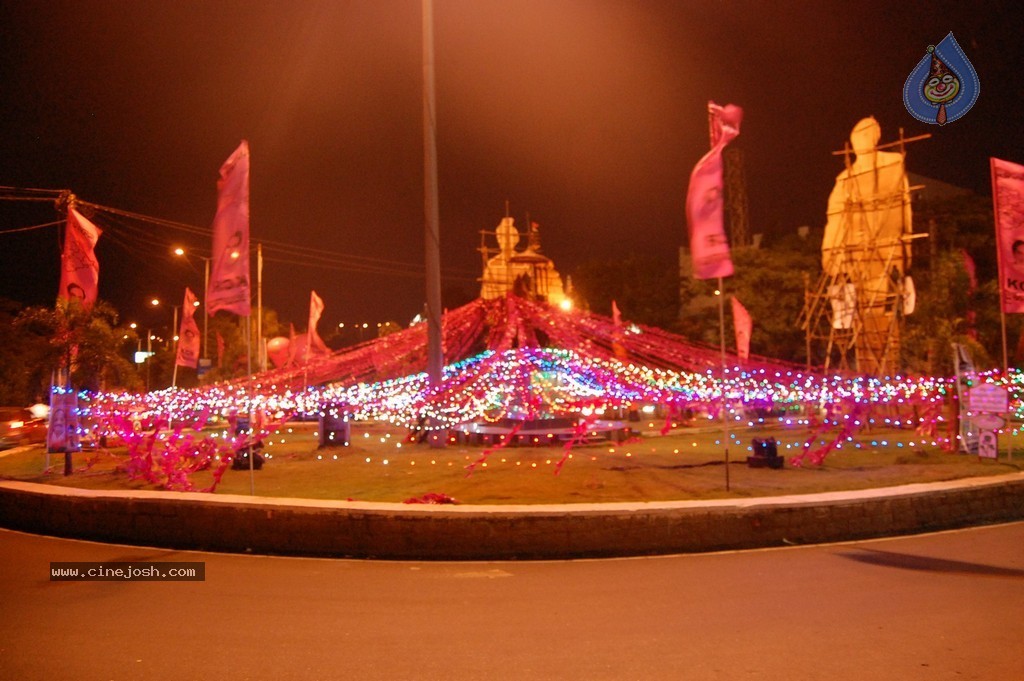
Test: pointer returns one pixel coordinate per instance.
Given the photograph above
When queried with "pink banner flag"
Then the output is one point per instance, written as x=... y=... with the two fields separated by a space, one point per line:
x=972 y=286
x=744 y=326
x=220 y=349
x=618 y=349
x=316 y=308
x=229 y=275
x=314 y=342
x=1008 y=204
x=188 y=336
x=705 y=214
x=80 y=270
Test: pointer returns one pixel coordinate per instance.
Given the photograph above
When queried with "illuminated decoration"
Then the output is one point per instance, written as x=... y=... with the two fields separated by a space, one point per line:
x=862 y=295
x=525 y=273
x=574 y=375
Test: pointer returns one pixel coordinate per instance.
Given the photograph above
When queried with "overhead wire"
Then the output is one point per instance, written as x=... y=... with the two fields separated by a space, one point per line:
x=29 y=229
x=30 y=194
x=274 y=251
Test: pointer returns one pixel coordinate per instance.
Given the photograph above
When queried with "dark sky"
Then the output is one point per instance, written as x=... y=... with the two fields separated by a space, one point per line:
x=588 y=115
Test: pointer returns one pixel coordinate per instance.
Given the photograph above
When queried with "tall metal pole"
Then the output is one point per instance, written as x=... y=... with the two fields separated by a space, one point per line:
x=435 y=357
x=206 y=307
x=721 y=328
x=174 y=336
x=1002 y=302
x=725 y=410
x=260 y=357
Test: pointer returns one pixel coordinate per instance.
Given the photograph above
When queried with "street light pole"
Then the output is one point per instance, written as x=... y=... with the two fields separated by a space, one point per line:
x=149 y=356
x=435 y=353
x=174 y=337
x=206 y=308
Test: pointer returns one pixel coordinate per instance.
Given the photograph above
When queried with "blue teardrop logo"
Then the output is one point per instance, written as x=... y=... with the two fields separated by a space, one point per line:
x=943 y=86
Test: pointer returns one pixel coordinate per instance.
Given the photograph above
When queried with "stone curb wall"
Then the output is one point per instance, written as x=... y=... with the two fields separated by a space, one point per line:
x=234 y=523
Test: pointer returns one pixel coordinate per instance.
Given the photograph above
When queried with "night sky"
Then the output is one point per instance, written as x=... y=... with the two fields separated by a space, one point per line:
x=585 y=115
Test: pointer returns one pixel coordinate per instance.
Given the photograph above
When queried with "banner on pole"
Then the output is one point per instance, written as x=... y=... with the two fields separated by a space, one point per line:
x=188 y=335
x=229 y=276
x=80 y=270
x=744 y=327
x=315 y=344
x=705 y=204
x=1008 y=204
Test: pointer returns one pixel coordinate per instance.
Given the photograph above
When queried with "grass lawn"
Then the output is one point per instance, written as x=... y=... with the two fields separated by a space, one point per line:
x=688 y=463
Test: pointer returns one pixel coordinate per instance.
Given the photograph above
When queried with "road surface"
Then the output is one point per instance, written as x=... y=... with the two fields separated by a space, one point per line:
x=941 y=606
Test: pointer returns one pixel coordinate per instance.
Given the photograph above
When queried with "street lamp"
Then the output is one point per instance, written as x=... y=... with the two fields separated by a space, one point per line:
x=182 y=253
x=155 y=302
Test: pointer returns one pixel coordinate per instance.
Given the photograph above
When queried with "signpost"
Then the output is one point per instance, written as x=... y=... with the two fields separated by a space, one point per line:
x=986 y=404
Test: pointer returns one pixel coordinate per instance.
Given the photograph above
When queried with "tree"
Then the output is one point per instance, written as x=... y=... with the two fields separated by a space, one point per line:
x=769 y=281
x=68 y=335
x=953 y=306
x=15 y=351
x=644 y=289
x=228 y=349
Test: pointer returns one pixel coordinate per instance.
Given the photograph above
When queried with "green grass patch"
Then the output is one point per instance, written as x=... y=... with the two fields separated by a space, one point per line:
x=379 y=465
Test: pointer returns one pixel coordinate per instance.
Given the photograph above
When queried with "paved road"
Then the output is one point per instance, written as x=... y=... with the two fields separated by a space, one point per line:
x=942 y=606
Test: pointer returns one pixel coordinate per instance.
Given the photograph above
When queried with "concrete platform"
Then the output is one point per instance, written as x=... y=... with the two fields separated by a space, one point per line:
x=303 y=527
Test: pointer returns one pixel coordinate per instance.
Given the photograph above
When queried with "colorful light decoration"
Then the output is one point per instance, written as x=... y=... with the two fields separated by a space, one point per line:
x=575 y=375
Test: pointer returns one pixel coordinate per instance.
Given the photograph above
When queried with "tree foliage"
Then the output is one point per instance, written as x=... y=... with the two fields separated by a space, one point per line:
x=645 y=289
x=88 y=342
x=771 y=282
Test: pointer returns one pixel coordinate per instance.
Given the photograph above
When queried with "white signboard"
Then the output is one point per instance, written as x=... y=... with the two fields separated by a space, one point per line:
x=988 y=398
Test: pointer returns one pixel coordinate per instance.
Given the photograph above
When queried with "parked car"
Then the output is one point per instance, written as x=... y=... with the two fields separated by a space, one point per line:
x=19 y=427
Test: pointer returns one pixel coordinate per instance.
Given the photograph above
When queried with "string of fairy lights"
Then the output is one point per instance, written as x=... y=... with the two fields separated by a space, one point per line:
x=539 y=383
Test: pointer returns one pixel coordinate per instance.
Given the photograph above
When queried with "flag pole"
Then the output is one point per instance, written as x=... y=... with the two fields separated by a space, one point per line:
x=1002 y=305
x=260 y=359
x=435 y=352
x=708 y=241
x=999 y=262
x=206 y=306
x=721 y=332
x=177 y=339
x=725 y=411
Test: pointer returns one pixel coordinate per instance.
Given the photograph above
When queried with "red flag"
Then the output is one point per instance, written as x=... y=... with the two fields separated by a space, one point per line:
x=972 y=285
x=617 y=348
x=316 y=308
x=220 y=349
x=704 y=201
x=188 y=336
x=313 y=340
x=1008 y=204
x=971 y=269
x=744 y=326
x=79 y=271
x=229 y=275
